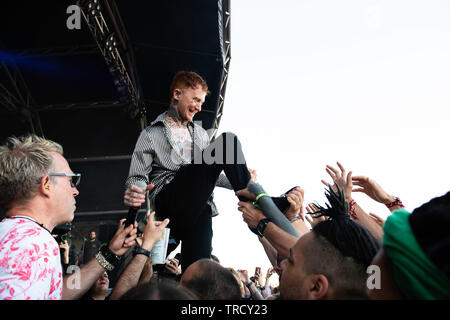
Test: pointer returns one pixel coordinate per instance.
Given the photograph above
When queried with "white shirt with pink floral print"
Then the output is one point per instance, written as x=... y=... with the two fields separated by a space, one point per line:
x=30 y=263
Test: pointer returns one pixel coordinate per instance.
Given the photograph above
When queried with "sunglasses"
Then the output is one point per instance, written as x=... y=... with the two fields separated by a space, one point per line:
x=74 y=180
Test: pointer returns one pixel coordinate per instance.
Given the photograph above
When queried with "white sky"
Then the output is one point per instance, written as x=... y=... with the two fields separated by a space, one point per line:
x=366 y=83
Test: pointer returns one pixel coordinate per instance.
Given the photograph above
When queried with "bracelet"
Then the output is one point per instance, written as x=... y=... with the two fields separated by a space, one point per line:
x=259 y=196
x=248 y=285
x=396 y=202
x=352 y=210
x=109 y=255
x=103 y=262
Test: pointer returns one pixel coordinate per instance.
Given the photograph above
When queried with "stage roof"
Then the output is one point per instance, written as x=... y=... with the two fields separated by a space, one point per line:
x=64 y=84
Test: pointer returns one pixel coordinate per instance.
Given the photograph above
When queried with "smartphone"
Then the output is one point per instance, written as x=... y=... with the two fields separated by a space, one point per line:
x=257 y=271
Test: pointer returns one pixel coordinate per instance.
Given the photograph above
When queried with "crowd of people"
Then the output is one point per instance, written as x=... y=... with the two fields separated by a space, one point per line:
x=337 y=245
x=333 y=250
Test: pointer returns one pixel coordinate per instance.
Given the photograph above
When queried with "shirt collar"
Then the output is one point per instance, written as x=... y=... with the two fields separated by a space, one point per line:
x=162 y=119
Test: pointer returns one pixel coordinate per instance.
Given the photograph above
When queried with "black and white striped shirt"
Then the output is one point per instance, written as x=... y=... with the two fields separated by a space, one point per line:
x=157 y=157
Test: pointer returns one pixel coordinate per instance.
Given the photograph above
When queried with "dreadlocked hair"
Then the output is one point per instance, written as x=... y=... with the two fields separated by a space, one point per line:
x=349 y=237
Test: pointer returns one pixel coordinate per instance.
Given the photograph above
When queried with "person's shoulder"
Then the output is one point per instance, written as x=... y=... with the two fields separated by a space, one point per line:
x=27 y=235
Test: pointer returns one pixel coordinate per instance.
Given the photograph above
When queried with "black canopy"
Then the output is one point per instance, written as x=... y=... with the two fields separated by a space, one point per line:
x=65 y=84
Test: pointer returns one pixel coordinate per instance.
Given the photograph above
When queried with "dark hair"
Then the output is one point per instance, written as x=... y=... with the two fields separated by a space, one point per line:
x=159 y=290
x=349 y=237
x=346 y=276
x=213 y=282
x=430 y=224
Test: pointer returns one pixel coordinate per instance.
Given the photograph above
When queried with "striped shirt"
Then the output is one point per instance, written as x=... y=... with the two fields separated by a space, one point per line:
x=157 y=157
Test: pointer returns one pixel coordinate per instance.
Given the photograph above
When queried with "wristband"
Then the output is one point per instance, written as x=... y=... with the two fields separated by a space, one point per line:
x=259 y=196
x=248 y=285
x=396 y=202
x=109 y=255
x=138 y=250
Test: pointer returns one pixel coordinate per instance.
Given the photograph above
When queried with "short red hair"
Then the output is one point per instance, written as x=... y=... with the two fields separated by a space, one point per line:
x=188 y=79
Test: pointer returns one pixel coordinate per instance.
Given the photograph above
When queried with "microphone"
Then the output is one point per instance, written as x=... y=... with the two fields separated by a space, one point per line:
x=132 y=211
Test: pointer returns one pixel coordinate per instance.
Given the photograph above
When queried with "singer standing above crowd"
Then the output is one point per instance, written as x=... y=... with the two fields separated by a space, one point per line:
x=168 y=158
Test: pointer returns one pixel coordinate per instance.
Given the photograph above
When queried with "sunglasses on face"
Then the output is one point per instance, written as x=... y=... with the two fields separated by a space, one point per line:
x=74 y=177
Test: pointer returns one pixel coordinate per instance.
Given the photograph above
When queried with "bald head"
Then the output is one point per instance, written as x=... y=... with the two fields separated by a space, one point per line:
x=210 y=281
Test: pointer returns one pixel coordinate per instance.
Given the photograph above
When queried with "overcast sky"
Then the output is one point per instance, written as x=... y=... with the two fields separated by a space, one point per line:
x=365 y=83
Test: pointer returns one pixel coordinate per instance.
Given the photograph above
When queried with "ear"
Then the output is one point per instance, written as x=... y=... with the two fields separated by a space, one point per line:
x=318 y=287
x=176 y=94
x=44 y=186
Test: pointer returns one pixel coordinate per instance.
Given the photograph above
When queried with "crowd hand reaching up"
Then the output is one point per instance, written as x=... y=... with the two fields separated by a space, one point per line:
x=377 y=219
x=253 y=174
x=372 y=189
x=313 y=218
x=135 y=196
x=295 y=198
x=341 y=179
x=172 y=266
x=243 y=275
x=250 y=215
x=124 y=238
x=270 y=272
x=152 y=233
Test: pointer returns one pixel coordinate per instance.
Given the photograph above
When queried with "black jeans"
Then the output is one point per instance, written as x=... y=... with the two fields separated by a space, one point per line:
x=184 y=199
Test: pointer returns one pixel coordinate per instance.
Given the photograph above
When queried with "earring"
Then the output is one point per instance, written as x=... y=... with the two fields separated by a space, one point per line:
x=47 y=187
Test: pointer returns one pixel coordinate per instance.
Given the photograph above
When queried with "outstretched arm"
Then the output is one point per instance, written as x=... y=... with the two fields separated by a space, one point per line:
x=374 y=191
x=279 y=239
x=130 y=277
x=344 y=181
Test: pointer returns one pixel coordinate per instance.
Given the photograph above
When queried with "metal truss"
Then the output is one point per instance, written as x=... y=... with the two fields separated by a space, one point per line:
x=111 y=39
x=224 y=34
x=19 y=101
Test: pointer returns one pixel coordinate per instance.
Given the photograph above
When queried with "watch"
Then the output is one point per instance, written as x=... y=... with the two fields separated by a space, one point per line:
x=138 y=250
x=262 y=226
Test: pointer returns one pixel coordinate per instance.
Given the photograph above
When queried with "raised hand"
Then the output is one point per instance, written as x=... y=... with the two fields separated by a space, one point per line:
x=253 y=174
x=250 y=215
x=152 y=233
x=313 y=218
x=372 y=189
x=172 y=266
x=123 y=239
x=341 y=179
x=295 y=198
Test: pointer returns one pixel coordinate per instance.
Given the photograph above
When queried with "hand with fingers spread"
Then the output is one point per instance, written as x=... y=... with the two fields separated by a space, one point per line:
x=250 y=214
x=152 y=233
x=295 y=198
x=377 y=219
x=313 y=218
x=124 y=238
x=341 y=179
x=135 y=196
x=372 y=189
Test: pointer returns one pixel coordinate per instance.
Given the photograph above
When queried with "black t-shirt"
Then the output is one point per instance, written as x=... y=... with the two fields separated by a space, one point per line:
x=90 y=250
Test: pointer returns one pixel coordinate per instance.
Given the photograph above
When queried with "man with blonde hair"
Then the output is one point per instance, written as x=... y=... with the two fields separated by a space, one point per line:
x=38 y=190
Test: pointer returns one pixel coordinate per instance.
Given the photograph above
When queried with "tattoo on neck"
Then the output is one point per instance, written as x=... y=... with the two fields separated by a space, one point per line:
x=173 y=115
